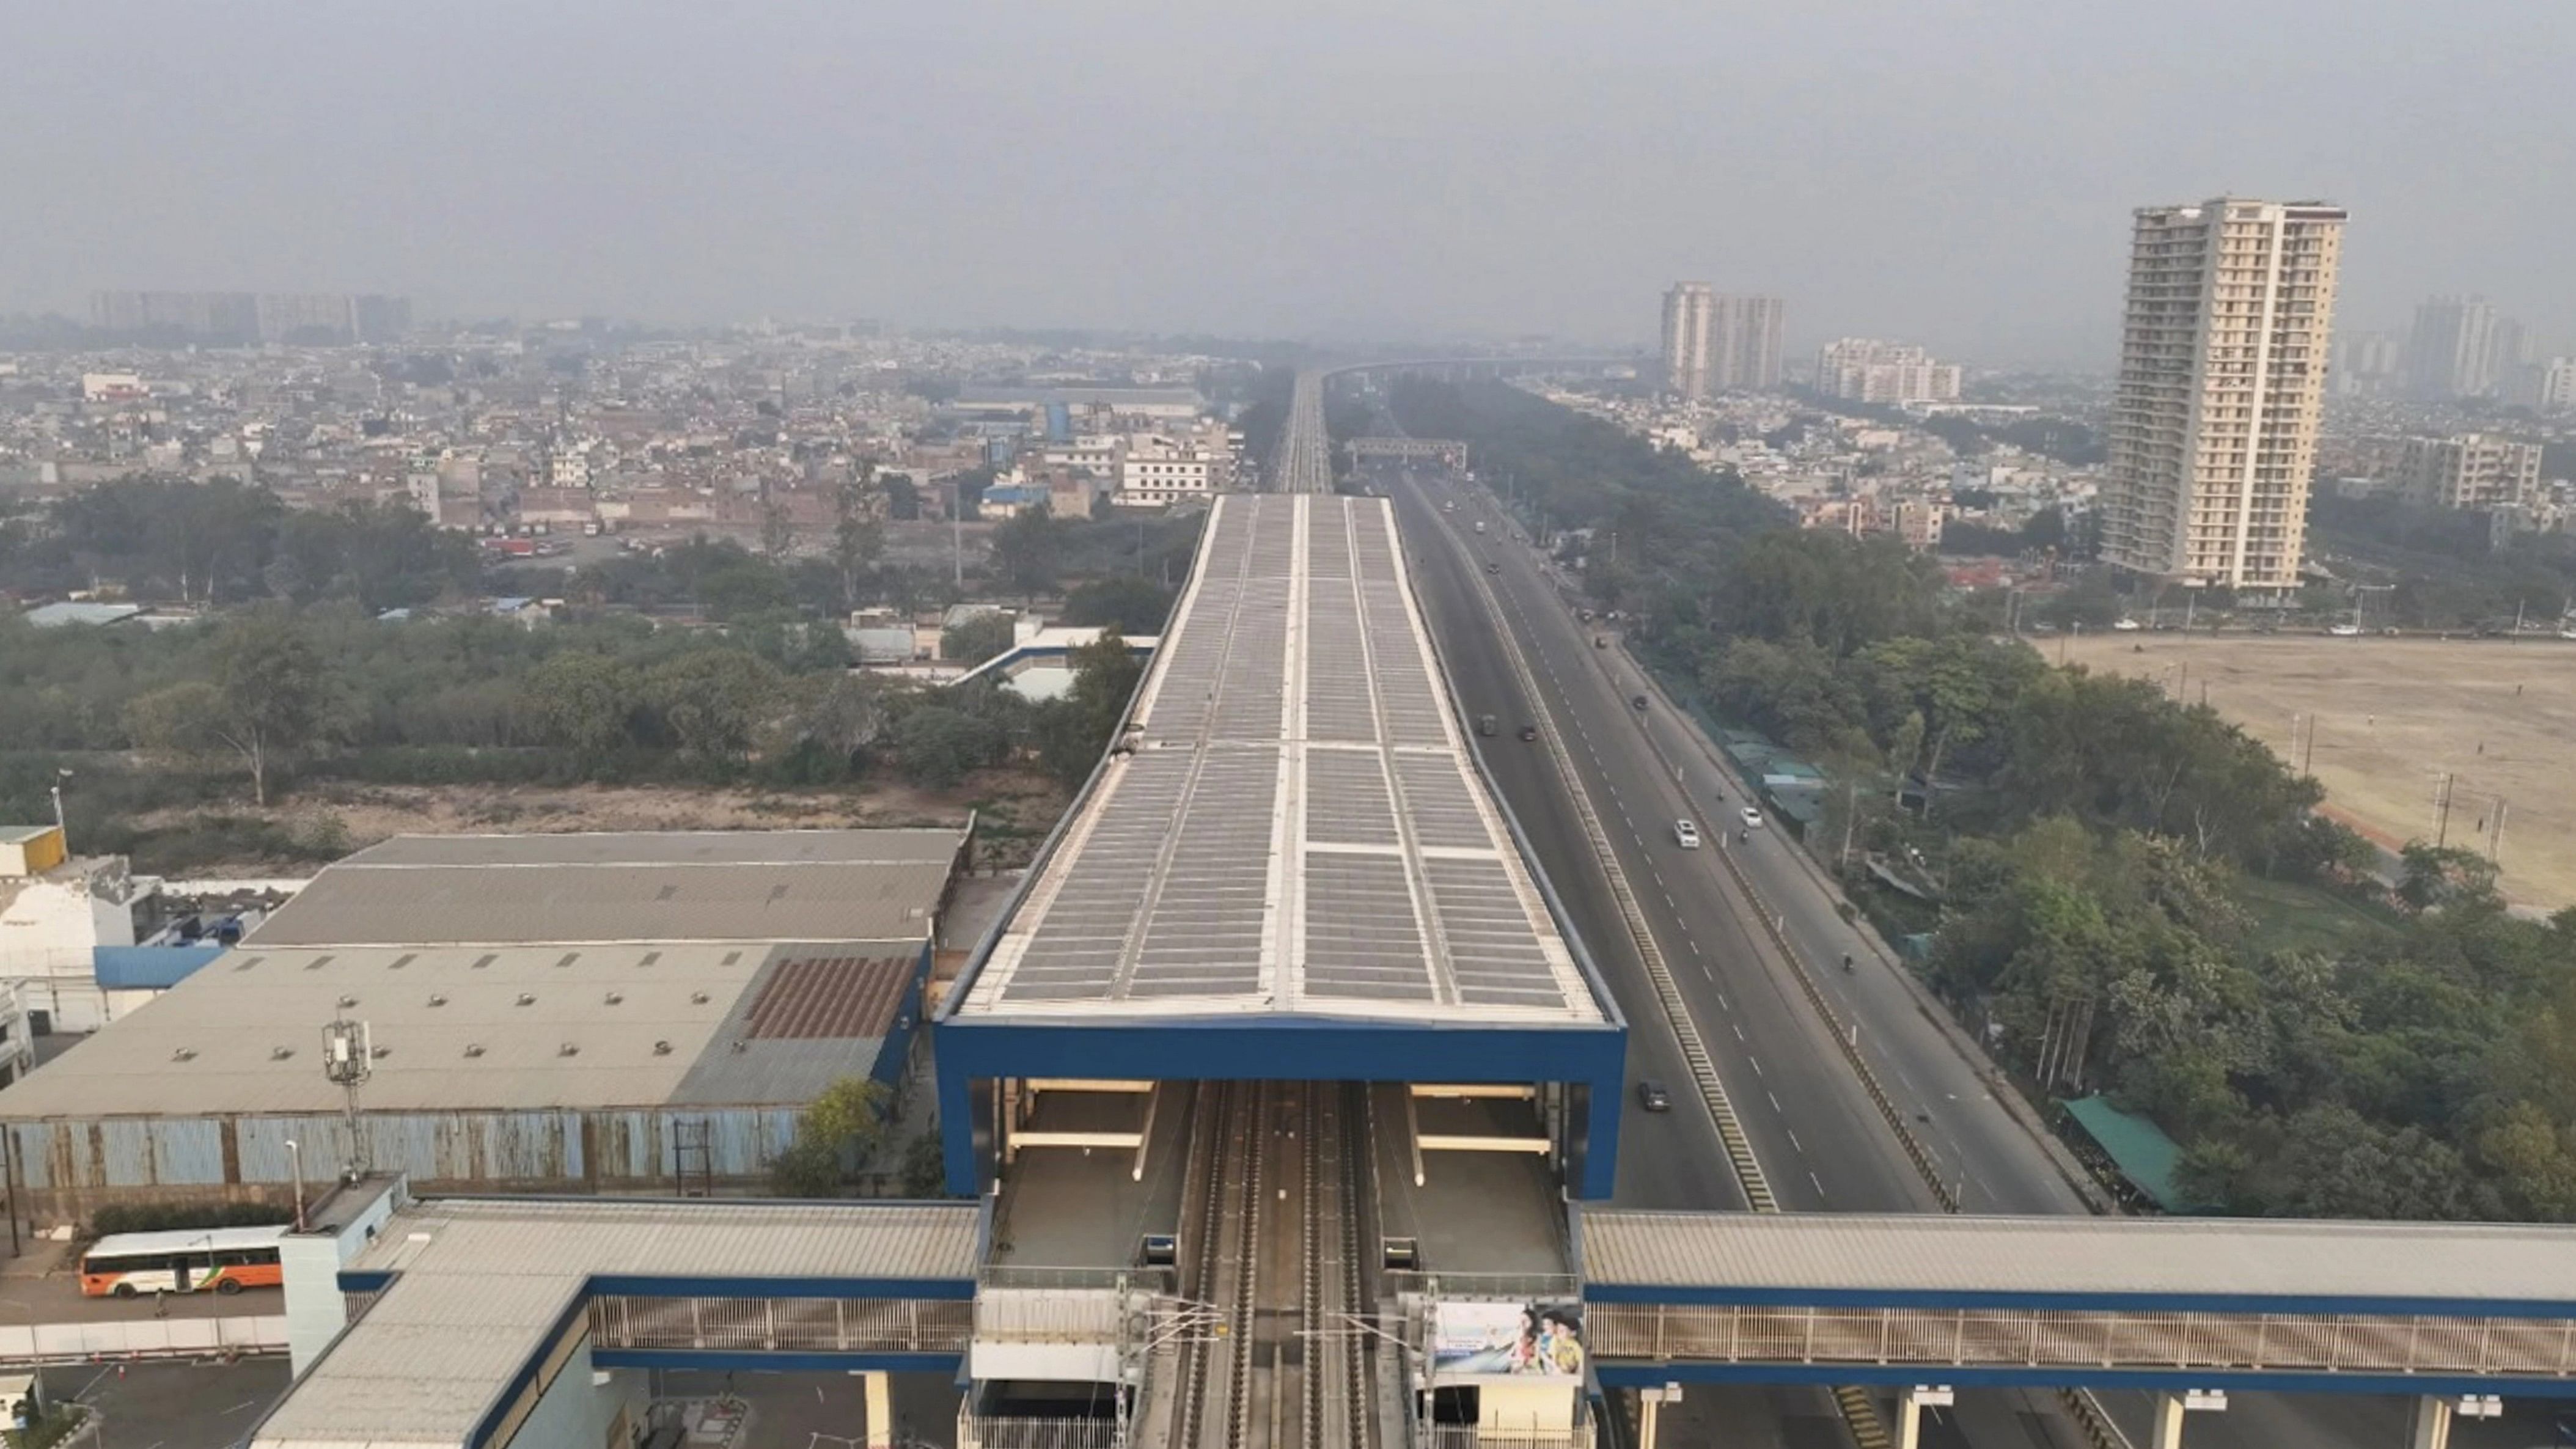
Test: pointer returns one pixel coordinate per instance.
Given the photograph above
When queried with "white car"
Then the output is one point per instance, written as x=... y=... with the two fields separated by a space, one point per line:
x=1686 y=834
x=2345 y=631
x=2127 y=626
x=1752 y=818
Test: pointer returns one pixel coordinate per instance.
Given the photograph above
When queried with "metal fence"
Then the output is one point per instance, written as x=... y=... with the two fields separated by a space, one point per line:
x=1961 y=1338
x=783 y=1325
x=27 y=1343
x=1002 y=1431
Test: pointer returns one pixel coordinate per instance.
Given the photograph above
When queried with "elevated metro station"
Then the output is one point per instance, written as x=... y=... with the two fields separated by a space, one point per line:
x=1281 y=1004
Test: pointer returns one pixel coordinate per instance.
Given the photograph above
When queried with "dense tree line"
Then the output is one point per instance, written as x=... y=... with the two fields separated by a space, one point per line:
x=2447 y=570
x=225 y=542
x=1657 y=523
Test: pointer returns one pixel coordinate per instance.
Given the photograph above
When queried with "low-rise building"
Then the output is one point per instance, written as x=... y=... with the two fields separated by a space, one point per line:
x=580 y=1012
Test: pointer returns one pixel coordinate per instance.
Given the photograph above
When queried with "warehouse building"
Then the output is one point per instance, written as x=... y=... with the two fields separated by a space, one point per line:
x=551 y=1013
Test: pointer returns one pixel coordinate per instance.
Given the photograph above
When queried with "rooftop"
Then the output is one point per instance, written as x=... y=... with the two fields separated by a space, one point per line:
x=482 y=1283
x=1294 y=824
x=2184 y=1257
x=712 y=885
x=466 y=1028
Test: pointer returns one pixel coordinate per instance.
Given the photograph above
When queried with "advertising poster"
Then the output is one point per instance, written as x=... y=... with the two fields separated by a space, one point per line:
x=1494 y=1340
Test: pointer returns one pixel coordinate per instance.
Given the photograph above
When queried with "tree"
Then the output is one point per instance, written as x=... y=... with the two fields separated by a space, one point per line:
x=714 y=700
x=585 y=701
x=2432 y=877
x=270 y=698
x=940 y=746
x=972 y=641
x=1124 y=602
x=841 y=1127
x=1029 y=550
x=1073 y=731
x=858 y=534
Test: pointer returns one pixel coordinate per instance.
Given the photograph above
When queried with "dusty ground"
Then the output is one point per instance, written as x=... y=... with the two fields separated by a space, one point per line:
x=1017 y=810
x=2392 y=715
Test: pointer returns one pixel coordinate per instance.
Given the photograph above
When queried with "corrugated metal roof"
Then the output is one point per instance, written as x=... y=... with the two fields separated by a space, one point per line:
x=456 y=1028
x=667 y=847
x=771 y=885
x=2188 y=1256
x=482 y=1281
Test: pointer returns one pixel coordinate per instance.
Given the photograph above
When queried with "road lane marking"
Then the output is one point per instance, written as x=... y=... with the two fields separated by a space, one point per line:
x=1756 y=1061
x=1776 y=1107
x=1739 y=1033
x=1795 y=1143
x=1820 y=1187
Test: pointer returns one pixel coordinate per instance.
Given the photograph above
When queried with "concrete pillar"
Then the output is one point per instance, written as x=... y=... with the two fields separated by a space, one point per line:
x=880 y=1410
x=2167 y=1433
x=1909 y=1422
x=2431 y=1428
x=1650 y=1403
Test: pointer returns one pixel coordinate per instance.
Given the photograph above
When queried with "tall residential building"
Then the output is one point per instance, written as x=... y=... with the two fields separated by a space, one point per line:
x=1744 y=343
x=2367 y=364
x=2473 y=470
x=1688 y=309
x=241 y=318
x=2461 y=348
x=1714 y=343
x=2213 y=431
x=1863 y=370
x=2553 y=386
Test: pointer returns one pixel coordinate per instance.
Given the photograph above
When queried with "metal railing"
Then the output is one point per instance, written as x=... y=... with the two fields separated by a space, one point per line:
x=2047 y=1338
x=783 y=1325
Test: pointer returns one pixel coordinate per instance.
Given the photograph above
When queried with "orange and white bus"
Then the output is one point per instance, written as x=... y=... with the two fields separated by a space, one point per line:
x=226 y=1260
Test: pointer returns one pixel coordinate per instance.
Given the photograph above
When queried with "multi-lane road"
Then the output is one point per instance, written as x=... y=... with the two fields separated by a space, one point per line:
x=1822 y=1142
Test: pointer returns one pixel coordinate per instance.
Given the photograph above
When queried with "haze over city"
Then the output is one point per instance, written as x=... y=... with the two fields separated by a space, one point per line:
x=1958 y=175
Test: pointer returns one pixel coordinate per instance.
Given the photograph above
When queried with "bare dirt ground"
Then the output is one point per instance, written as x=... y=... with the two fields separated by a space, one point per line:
x=1016 y=810
x=2392 y=715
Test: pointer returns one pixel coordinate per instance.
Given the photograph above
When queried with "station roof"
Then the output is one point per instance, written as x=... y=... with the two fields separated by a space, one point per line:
x=707 y=885
x=479 y=1029
x=482 y=1284
x=1849 y=1257
x=1293 y=824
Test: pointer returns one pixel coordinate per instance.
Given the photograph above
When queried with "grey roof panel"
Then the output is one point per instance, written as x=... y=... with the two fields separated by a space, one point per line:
x=2183 y=1256
x=1297 y=826
x=481 y=1282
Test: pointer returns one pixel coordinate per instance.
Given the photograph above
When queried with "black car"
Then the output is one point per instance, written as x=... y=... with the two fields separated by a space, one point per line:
x=1638 y=700
x=1652 y=1096
x=1493 y=568
x=1529 y=732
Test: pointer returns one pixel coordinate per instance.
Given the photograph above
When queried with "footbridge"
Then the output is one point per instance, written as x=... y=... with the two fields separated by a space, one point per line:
x=2186 y=1309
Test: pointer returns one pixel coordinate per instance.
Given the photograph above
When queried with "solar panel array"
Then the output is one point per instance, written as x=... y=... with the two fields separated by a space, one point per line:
x=1293 y=825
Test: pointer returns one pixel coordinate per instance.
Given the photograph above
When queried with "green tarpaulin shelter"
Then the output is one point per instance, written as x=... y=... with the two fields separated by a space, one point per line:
x=2138 y=1147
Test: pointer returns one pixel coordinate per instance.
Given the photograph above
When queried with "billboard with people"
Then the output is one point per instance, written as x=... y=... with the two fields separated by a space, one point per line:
x=1492 y=1339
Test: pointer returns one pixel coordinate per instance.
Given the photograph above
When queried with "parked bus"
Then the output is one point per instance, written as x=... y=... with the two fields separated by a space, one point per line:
x=226 y=1260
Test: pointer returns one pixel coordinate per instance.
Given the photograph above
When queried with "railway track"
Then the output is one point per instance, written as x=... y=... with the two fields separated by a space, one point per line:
x=1275 y=1258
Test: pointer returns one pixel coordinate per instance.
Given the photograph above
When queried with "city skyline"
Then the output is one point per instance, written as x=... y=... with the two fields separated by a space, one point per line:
x=1143 y=169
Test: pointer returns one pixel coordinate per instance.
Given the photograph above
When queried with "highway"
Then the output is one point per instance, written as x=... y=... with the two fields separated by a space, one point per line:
x=1821 y=1140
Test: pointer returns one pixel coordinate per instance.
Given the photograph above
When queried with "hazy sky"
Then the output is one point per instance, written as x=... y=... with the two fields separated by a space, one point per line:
x=1957 y=174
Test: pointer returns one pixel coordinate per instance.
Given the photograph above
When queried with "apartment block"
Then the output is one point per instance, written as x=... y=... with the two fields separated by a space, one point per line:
x=1689 y=308
x=1861 y=369
x=2223 y=356
x=2473 y=470
x=1715 y=343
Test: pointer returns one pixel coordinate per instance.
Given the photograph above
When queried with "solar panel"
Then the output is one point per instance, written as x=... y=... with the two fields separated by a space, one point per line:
x=1170 y=888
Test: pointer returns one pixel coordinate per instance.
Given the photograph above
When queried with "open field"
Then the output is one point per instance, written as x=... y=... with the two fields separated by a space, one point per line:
x=2392 y=715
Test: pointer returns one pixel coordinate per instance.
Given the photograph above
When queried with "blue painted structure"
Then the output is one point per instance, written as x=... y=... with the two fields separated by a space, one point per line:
x=150 y=968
